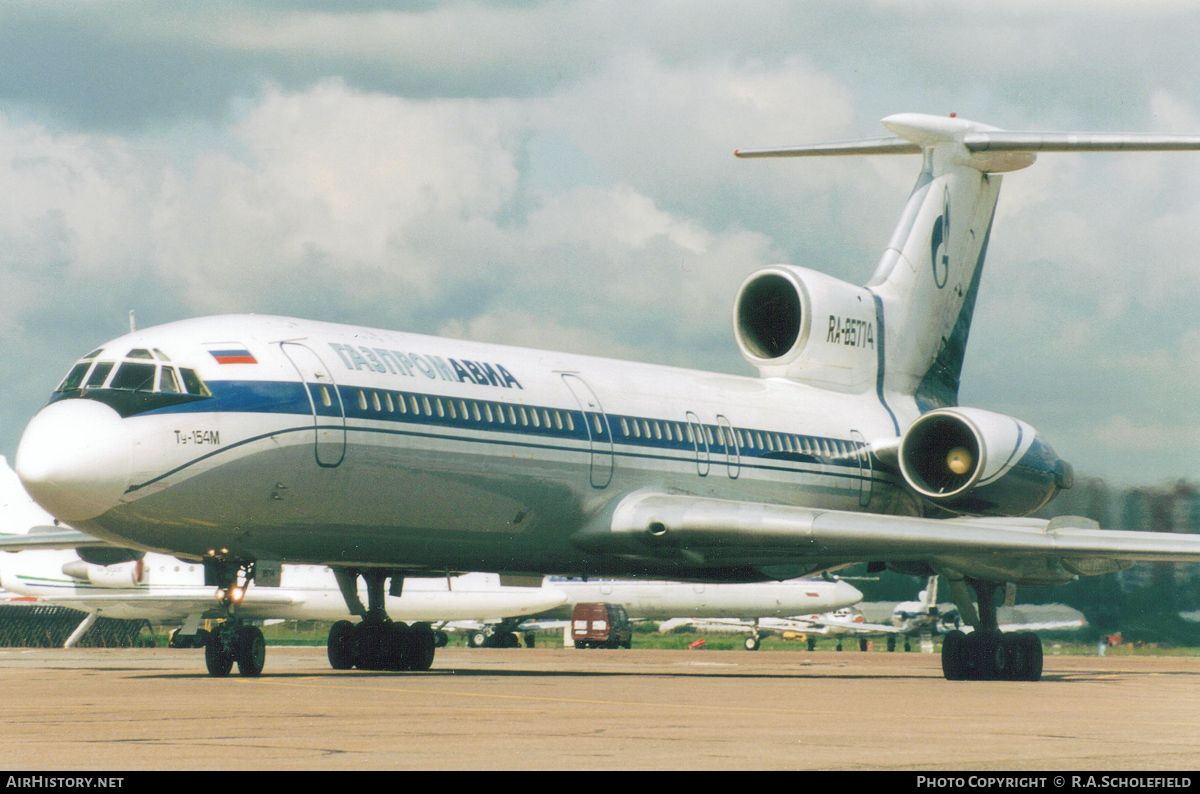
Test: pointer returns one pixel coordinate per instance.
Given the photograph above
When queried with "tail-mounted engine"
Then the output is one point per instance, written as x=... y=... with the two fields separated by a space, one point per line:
x=977 y=462
x=793 y=322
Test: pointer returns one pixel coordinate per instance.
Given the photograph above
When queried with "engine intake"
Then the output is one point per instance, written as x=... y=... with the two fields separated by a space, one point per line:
x=769 y=315
x=940 y=456
x=981 y=463
x=792 y=322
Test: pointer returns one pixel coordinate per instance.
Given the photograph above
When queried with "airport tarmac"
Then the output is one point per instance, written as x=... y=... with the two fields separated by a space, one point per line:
x=556 y=709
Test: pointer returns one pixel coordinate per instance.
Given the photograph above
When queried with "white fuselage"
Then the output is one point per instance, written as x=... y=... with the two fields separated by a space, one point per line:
x=163 y=588
x=325 y=443
x=665 y=600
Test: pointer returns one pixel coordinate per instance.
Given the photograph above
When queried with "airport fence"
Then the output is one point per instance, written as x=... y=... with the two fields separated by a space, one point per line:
x=44 y=626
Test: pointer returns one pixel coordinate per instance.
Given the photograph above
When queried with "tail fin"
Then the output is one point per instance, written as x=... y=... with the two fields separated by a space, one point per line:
x=927 y=280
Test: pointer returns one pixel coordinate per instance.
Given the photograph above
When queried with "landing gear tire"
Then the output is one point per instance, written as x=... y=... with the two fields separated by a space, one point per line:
x=956 y=663
x=398 y=651
x=989 y=655
x=340 y=646
x=752 y=643
x=423 y=642
x=249 y=651
x=812 y=643
x=477 y=639
x=992 y=656
x=862 y=644
x=508 y=640
x=1026 y=657
x=369 y=646
x=530 y=641
x=891 y=643
x=217 y=659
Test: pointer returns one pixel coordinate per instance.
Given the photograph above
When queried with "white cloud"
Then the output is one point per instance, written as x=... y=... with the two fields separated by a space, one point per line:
x=561 y=174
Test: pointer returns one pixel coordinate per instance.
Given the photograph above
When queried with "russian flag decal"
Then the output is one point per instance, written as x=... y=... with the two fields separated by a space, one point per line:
x=234 y=356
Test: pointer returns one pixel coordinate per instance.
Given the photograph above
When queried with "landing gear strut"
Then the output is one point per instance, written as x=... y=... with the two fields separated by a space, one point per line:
x=233 y=642
x=377 y=642
x=987 y=654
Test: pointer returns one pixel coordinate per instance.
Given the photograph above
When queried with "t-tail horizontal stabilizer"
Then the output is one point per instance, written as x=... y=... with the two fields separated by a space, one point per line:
x=915 y=132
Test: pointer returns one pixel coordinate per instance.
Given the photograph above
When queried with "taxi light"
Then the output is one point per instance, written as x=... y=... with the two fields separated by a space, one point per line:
x=236 y=594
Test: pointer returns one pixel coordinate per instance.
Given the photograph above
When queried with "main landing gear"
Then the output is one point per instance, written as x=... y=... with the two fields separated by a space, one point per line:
x=378 y=642
x=233 y=642
x=987 y=654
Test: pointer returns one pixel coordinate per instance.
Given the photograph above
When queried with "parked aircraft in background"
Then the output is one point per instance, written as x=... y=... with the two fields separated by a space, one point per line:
x=165 y=589
x=922 y=618
x=656 y=600
x=237 y=442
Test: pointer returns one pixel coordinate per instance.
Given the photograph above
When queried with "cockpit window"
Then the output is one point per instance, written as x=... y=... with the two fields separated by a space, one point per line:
x=135 y=377
x=99 y=374
x=167 y=382
x=193 y=384
x=93 y=354
x=144 y=381
x=75 y=376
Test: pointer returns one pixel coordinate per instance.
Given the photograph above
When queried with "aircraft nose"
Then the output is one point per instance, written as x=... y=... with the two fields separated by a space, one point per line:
x=847 y=594
x=75 y=459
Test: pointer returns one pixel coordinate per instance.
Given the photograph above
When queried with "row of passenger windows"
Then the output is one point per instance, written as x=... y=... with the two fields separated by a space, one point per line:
x=373 y=401
x=719 y=435
x=458 y=409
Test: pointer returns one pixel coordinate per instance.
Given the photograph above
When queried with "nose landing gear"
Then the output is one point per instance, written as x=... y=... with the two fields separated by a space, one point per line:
x=233 y=642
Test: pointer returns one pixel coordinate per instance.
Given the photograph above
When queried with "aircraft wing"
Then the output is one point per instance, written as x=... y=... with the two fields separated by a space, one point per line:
x=850 y=627
x=183 y=595
x=1045 y=625
x=49 y=537
x=716 y=625
x=726 y=532
x=169 y=603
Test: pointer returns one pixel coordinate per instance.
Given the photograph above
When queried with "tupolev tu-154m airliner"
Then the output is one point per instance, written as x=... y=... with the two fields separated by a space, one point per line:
x=238 y=440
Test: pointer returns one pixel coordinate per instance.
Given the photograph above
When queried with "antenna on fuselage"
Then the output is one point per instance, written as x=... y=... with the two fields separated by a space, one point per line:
x=132 y=322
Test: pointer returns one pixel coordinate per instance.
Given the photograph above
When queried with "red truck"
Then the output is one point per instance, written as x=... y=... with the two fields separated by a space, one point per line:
x=595 y=625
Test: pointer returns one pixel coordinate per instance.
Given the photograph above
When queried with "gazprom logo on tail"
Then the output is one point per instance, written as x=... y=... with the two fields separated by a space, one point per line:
x=939 y=243
x=433 y=367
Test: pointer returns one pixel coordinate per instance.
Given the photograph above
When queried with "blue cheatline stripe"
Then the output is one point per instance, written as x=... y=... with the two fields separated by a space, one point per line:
x=292 y=398
x=690 y=461
x=881 y=366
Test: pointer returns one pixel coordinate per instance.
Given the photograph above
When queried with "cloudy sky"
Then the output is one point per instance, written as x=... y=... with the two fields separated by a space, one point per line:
x=560 y=174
